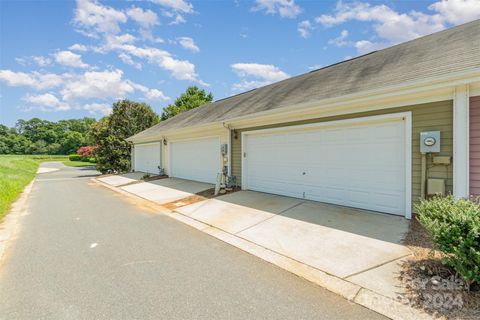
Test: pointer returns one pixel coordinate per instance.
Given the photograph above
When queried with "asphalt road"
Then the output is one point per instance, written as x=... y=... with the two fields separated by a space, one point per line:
x=86 y=252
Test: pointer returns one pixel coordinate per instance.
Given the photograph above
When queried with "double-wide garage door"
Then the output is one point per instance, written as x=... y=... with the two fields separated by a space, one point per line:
x=360 y=165
x=147 y=157
x=197 y=160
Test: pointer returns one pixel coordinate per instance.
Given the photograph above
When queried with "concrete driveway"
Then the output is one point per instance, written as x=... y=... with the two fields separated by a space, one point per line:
x=338 y=240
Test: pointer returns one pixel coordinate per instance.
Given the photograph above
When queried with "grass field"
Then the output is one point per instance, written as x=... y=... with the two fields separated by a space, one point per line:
x=16 y=171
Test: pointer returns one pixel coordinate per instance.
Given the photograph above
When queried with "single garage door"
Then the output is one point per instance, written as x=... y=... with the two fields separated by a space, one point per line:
x=197 y=160
x=359 y=165
x=147 y=157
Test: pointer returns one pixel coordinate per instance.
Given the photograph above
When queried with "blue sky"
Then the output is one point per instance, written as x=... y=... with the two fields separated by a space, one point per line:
x=68 y=59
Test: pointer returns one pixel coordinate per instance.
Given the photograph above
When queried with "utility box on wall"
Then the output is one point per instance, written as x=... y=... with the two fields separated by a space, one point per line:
x=429 y=141
x=436 y=187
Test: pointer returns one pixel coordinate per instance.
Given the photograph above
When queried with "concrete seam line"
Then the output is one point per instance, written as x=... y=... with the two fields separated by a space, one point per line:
x=376 y=266
x=162 y=209
x=273 y=216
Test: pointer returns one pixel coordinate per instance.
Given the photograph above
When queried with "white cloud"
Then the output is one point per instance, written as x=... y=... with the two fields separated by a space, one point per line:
x=69 y=59
x=188 y=43
x=42 y=61
x=340 y=41
x=97 y=84
x=78 y=47
x=255 y=75
x=145 y=18
x=128 y=60
x=47 y=102
x=284 y=8
x=365 y=46
x=36 y=80
x=315 y=67
x=102 y=108
x=178 y=19
x=154 y=94
x=150 y=94
x=176 y=5
x=92 y=18
x=180 y=69
x=175 y=9
x=392 y=27
x=304 y=27
x=457 y=11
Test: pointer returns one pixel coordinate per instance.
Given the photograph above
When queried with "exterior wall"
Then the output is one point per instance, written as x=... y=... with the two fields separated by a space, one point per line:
x=221 y=132
x=475 y=146
x=425 y=117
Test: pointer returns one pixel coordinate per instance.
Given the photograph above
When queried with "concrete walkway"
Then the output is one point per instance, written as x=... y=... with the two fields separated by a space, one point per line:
x=353 y=252
x=340 y=241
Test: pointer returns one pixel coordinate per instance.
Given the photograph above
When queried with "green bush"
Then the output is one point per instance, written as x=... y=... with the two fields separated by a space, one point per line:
x=85 y=158
x=92 y=160
x=75 y=157
x=454 y=225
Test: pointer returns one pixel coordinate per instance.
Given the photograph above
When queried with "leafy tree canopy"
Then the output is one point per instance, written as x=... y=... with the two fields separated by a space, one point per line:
x=190 y=99
x=37 y=136
x=109 y=134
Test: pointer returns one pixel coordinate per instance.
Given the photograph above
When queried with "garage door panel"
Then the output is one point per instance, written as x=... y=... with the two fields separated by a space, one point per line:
x=147 y=157
x=197 y=160
x=359 y=165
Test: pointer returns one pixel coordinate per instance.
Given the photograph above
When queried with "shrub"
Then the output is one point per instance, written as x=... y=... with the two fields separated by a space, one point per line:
x=86 y=151
x=92 y=160
x=75 y=157
x=454 y=225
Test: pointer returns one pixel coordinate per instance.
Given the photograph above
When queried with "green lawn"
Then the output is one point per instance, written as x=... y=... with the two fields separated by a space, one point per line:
x=77 y=163
x=16 y=171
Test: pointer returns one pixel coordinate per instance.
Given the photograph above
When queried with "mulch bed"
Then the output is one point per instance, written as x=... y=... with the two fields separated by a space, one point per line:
x=152 y=178
x=200 y=196
x=433 y=287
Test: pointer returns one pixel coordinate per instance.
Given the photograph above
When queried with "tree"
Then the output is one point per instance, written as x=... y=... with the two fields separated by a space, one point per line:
x=190 y=99
x=109 y=134
x=70 y=142
x=43 y=136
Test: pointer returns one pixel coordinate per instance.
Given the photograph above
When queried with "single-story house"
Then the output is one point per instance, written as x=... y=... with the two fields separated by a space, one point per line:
x=347 y=134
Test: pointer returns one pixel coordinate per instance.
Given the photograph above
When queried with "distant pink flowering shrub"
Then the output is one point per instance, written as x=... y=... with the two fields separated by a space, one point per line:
x=86 y=151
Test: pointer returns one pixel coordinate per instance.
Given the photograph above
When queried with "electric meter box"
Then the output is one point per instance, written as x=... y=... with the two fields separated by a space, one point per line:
x=429 y=141
x=224 y=149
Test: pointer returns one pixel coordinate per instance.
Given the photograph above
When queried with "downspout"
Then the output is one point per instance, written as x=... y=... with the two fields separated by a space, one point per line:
x=423 y=176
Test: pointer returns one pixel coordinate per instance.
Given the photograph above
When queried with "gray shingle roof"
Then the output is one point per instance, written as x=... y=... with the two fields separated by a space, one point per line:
x=452 y=50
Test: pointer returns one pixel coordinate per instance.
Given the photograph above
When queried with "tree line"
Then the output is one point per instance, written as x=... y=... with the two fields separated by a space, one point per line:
x=112 y=152
x=37 y=136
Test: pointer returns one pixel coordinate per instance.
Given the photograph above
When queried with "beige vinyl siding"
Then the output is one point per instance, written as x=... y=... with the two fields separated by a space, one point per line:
x=425 y=117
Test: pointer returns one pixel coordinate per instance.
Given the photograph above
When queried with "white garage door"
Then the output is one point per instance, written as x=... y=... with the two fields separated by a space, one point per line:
x=197 y=160
x=360 y=165
x=147 y=157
